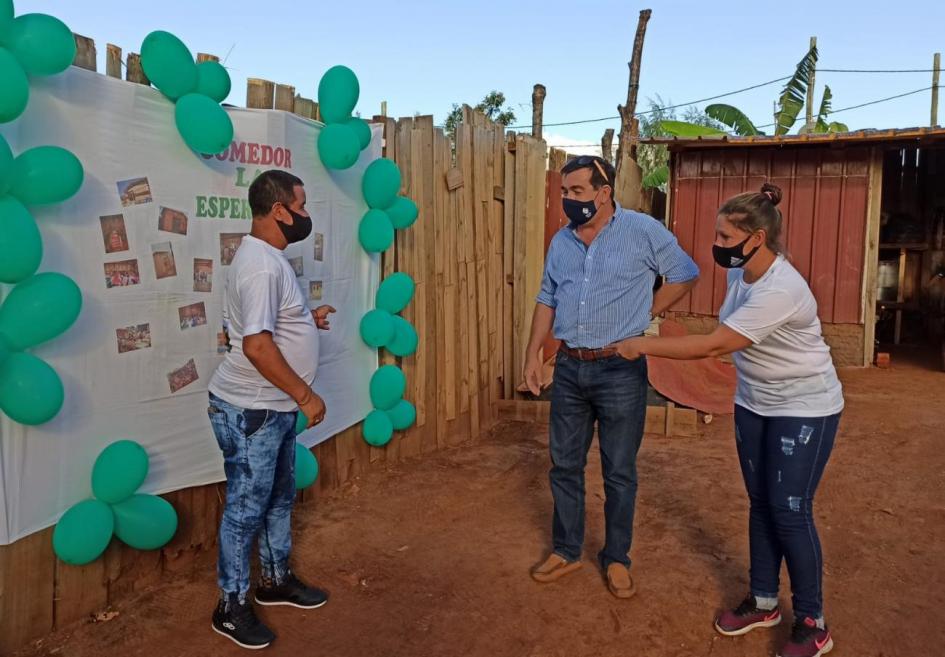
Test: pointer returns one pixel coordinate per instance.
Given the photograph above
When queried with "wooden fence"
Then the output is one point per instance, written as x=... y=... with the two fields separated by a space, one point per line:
x=476 y=256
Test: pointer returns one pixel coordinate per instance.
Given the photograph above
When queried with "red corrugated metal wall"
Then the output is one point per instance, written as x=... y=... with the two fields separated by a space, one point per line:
x=824 y=207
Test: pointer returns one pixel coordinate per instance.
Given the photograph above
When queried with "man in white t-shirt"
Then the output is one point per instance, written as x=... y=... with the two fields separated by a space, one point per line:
x=255 y=394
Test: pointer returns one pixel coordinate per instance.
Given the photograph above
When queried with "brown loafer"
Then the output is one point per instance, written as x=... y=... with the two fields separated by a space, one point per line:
x=619 y=581
x=554 y=567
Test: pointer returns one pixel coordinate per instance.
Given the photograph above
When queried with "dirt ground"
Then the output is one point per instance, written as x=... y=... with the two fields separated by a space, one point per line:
x=432 y=558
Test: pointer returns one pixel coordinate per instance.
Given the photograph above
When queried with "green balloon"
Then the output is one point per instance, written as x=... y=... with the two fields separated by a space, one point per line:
x=377 y=428
x=362 y=129
x=402 y=415
x=376 y=233
x=119 y=471
x=21 y=245
x=203 y=124
x=6 y=15
x=6 y=165
x=306 y=467
x=4 y=352
x=404 y=342
x=338 y=92
x=213 y=80
x=338 y=146
x=145 y=522
x=30 y=390
x=46 y=174
x=387 y=387
x=43 y=44
x=381 y=183
x=403 y=212
x=169 y=65
x=377 y=328
x=301 y=423
x=395 y=292
x=83 y=532
x=39 y=309
x=15 y=85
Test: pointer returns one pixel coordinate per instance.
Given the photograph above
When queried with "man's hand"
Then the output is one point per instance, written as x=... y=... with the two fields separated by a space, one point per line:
x=630 y=348
x=532 y=374
x=314 y=410
x=320 y=315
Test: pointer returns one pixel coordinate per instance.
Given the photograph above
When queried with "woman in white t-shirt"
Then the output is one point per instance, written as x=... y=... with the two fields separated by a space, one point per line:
x=787 y=409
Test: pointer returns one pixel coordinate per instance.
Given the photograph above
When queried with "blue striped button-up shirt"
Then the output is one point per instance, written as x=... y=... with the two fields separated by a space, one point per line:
x=603 y=293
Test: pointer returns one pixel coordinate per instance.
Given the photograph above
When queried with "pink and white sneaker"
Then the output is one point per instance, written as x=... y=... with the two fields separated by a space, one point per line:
x=807 y=640
x=746 y=617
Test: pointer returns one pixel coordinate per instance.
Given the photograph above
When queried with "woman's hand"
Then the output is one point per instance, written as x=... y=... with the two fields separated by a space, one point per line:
x=630 y=348
x=320 y=315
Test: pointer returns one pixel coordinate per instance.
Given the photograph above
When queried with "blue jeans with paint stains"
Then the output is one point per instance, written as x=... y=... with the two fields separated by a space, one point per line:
x=612 y=393
x=259 y=460
x=782 y=460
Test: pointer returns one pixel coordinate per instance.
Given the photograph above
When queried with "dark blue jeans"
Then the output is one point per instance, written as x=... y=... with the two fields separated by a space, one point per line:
x=611 y=393
x=782 y=460
x=259 y=460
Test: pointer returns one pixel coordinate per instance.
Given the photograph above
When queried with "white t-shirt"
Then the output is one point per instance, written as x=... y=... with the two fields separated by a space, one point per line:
x=263 y=294
x=787 y=371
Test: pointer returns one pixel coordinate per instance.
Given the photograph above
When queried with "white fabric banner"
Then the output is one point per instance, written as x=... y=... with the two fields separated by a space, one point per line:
x=147 y=239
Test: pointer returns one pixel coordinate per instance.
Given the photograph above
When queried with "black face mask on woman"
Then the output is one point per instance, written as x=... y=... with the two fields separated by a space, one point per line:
x=300 y=229
x=733 y=256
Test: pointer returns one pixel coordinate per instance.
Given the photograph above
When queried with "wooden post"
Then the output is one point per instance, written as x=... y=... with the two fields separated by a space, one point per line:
x=259 y=93
x=607 y=145
x=133 y=70
x=627 y=111
x=84 y=53
x=113 y=61
x=383 y=108
x=810 y=90
x=305 y=107
x=936 y=70
x=538 y=109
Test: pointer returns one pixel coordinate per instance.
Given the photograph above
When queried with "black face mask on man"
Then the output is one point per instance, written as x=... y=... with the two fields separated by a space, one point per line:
x=300 y=229
x=578 y=212
x=731 y=257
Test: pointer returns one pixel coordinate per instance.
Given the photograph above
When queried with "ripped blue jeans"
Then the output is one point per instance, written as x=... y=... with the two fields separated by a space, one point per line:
x=782 y=460
x=259 y=459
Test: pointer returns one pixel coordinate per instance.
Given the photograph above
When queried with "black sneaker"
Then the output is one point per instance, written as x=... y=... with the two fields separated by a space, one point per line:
x=745 y=618
x=807 y=640
x=238 y=623
x=291 y=592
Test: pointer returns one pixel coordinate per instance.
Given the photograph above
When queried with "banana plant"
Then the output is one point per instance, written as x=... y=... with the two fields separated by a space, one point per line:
x=734 y=118
x=792 y=97
x=820 y=125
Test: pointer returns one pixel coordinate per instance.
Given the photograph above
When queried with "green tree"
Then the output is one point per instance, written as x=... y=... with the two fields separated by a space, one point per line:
x=491 y=106
x=654 y=158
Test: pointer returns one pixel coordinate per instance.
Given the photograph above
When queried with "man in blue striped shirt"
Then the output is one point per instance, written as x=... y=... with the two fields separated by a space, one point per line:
x=598 y=290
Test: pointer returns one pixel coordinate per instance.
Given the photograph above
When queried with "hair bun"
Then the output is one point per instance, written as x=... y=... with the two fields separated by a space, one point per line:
x=773 y=192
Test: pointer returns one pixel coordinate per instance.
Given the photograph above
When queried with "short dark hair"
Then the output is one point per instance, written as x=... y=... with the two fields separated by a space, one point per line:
x=271 y=187
x=602 y=171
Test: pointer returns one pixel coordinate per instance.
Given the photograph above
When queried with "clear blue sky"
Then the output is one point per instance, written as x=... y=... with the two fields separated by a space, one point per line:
x=424 y=56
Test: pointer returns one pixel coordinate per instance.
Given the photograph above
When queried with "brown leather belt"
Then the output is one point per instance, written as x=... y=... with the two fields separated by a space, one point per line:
x=589 y=354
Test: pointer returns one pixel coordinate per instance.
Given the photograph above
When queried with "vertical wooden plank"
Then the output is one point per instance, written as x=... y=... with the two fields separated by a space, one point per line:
x=27 y=578
x=871 y=251
x=85 y=56
x=464 y=157
x=284 y=98
x=305 y=107
x=497 y=282
x=80 y=591
x=426 y=354
x=509 y=299
x=133 y=70
x=113 y=61
x=259 y=93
